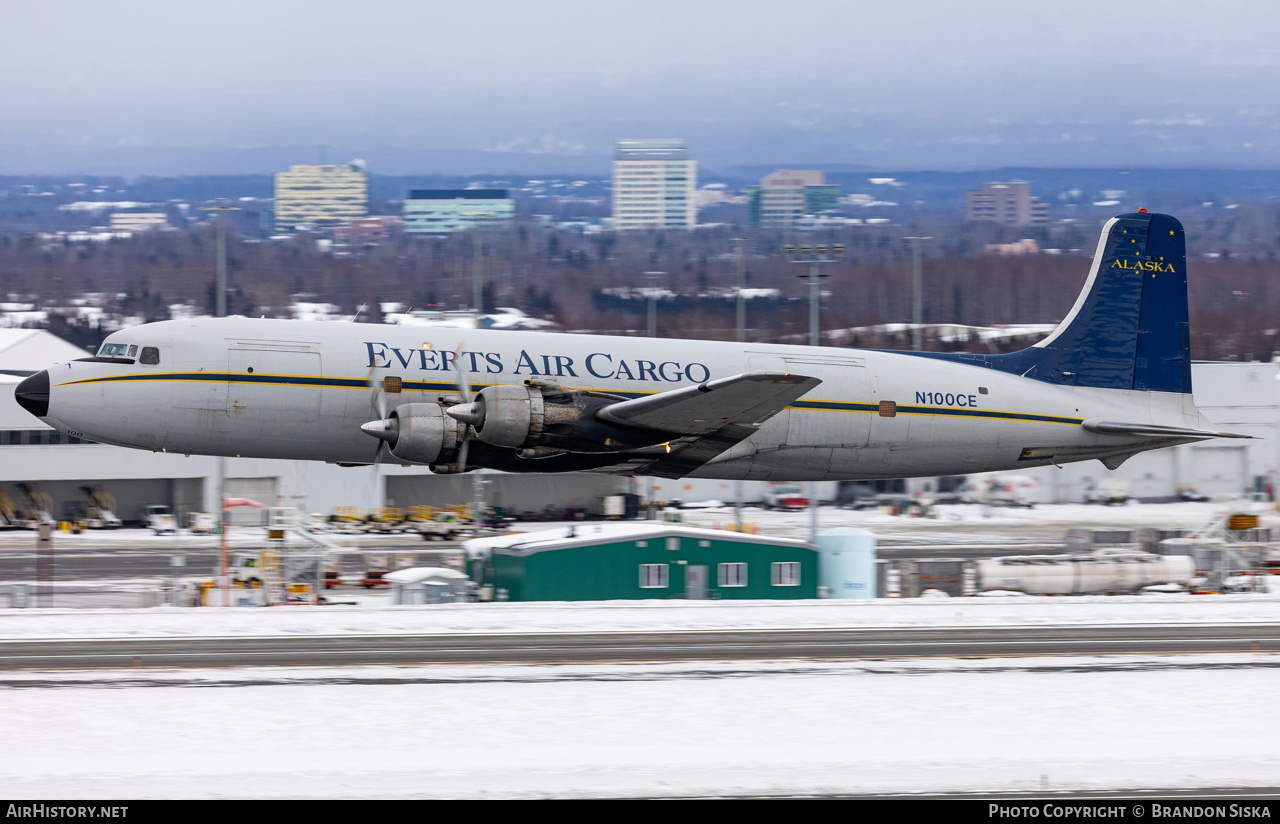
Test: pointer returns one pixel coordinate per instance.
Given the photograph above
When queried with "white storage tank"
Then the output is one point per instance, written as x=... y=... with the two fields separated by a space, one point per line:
x=847 y=563
x=1105 y=571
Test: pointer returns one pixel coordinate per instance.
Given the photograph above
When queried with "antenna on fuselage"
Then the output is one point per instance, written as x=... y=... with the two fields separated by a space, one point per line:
x=358 y=311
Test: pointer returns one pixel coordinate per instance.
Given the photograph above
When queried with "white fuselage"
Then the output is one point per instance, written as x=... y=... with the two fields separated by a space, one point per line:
x=301 y=390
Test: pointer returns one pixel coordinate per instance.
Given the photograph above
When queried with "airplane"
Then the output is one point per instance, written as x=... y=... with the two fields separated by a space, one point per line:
x=1111 y=381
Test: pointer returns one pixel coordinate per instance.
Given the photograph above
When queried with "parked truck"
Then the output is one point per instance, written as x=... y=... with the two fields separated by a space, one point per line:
x=159 y=519
x=443 y=526
x=785 y=496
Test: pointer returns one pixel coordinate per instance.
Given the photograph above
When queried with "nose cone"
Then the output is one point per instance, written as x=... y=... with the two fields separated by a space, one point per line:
x=386 y=430
x=470 y=413
x=33 y=394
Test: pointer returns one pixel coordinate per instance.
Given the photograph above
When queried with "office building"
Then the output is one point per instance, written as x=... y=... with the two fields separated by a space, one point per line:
x=367 y=230
x=1009 y=204
x=653 y=185
x=788 y=194
x=441 y=211
x=138 y=221
x=317 y=196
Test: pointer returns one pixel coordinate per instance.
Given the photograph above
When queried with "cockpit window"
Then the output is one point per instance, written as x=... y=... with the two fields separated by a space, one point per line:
x=133 y=351
x=114 y=350
x=150 y=356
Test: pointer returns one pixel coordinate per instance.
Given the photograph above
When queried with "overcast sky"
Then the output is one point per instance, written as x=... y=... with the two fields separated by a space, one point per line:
x=92 y=86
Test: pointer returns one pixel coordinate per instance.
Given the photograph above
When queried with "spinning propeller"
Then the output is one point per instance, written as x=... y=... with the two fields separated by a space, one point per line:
x=386 y=429
x=470 y=412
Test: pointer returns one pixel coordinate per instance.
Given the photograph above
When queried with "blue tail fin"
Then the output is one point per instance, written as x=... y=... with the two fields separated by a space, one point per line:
x=1129 y=328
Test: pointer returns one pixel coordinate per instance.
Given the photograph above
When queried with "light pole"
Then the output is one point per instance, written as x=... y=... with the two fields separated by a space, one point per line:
x=741 y=337
x=653 y=301
x=220 y=311
x=814 y=256
x=477 y=275
x=477 y=301
x=917 y=295
x=653 y=333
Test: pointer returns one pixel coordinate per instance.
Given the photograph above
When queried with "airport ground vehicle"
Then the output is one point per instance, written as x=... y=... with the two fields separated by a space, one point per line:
x=97 y=511
x=8 y=515
x=386 y=519
x=246 y=569
x=202 y=523
x=1107 y=491
x=38 y=507
x=1002 y=490
x=785 y=496
x=445 y=526
x=159 y=518
x=83 y=514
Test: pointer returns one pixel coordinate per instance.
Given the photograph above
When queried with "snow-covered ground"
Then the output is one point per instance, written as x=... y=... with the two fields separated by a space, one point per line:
x=783 y=728
x=371 y=618
x=722 y=728
x=975 y=523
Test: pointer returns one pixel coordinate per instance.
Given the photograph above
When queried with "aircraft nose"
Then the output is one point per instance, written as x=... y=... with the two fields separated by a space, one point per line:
x=32 y=394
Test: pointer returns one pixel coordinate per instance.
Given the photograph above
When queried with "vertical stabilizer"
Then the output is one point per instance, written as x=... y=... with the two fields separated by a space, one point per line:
x=1129 y=328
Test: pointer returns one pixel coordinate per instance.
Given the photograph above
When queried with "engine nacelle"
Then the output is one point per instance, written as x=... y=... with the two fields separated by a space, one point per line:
x=510 y=415
x=535 y=416
x=422 y=433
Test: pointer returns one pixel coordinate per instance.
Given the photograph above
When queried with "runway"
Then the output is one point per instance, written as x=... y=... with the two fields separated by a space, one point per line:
x=615 y=647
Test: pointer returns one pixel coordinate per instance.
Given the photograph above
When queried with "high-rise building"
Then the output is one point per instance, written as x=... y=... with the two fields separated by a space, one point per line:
x=313 y=196
x=441 y=211
x=653 y=185
x=788 y=194
x=1009 y=204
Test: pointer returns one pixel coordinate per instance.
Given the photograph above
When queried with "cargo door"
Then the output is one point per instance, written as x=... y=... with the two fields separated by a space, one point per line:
x=276 y=383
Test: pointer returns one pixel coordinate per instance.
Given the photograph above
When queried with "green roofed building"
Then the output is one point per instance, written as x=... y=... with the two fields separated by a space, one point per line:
x=620 y=561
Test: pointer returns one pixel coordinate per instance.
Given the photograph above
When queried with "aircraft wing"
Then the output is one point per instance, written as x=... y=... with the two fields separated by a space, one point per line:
x=709 y=418
x=746 y=399
x=1155 y=431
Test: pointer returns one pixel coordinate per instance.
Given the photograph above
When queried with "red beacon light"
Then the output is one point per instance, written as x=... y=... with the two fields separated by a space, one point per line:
x=1142 y=210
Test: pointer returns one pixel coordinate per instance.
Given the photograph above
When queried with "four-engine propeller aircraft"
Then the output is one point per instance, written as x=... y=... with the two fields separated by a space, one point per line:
x=1113 y=380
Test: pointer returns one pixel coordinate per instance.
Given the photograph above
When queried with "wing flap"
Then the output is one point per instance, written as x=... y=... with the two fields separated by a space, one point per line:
x=745 y=399
x=1154 y=430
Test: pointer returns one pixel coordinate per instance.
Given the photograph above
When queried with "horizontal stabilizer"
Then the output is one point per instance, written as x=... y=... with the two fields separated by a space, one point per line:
x=1155 y=431
x=749 y=398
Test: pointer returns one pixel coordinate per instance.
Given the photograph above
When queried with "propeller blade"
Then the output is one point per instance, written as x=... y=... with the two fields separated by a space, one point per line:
x=384 y=429
x=462 y=451
x=464 y=386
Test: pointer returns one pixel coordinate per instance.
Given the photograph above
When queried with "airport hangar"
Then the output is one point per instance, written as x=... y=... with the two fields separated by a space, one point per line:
x=1237 y=396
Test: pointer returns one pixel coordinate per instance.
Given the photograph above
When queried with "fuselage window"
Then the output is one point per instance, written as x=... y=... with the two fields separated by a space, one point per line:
x=150 y=356
x=114 y=350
